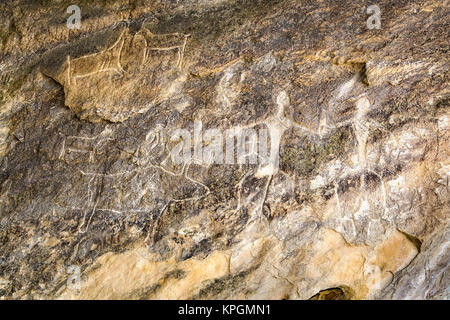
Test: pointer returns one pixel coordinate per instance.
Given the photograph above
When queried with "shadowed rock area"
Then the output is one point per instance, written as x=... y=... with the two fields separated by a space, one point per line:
x=354 y=202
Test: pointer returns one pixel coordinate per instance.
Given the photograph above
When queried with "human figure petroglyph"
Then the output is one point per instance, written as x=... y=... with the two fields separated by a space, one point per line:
x=361 y=126
x=277 y=125
x=359 y=122
x=250 y=144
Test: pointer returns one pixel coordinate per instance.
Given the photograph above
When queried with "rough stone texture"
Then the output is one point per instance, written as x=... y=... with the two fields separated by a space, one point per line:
x=358 y=210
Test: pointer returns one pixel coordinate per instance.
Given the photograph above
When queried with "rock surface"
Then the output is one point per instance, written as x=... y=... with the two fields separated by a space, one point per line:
x=356 y=205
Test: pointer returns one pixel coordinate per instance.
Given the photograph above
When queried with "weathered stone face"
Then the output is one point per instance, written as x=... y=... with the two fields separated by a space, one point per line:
x=128 y=77
x=352 y=202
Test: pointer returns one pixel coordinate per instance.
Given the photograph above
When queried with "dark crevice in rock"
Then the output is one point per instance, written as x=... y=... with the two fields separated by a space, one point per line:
x=339 y=293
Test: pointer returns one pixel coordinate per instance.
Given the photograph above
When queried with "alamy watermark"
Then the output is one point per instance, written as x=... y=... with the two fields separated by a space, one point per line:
x=237 y=145
x=374 y=21
x=74 y=280
x=74 y=21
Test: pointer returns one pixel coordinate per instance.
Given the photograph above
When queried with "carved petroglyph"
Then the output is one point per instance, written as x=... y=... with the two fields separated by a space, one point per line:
x=93 y=198
x=143 y=69
x=163 y=42
x=97 y=181
x=84 y=144
x=361 y=126
x=107 y=60
x=277 y=124
x=349 y=107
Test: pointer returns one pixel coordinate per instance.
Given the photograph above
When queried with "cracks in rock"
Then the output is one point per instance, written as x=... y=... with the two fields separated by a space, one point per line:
x=337 y=293
x=416 y=241
x=264 y=197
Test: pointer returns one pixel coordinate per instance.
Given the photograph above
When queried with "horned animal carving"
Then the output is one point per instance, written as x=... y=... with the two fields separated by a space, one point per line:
x=107 y=60
x=110 y=59
x=138 y=70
